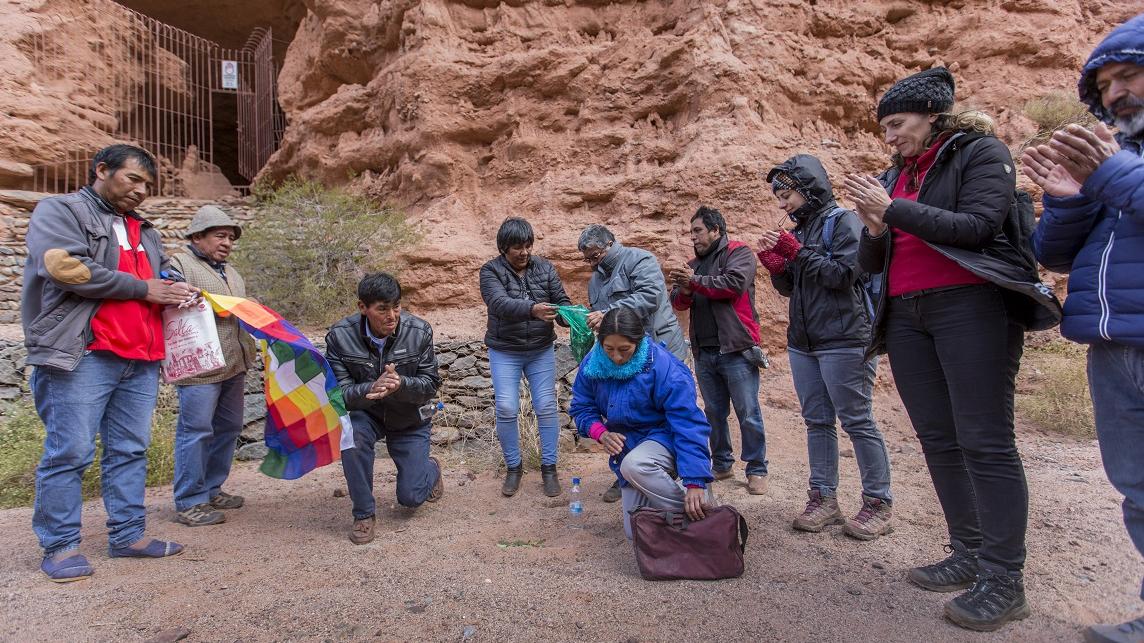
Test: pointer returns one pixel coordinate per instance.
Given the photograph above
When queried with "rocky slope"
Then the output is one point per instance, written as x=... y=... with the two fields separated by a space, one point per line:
x=632 y=113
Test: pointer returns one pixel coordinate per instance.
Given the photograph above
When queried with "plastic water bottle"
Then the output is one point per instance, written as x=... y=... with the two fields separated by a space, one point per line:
x=576 y=505
x=429 y=410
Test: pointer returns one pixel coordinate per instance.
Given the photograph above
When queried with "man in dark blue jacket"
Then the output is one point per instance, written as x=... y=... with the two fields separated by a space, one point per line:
x=1093 y=229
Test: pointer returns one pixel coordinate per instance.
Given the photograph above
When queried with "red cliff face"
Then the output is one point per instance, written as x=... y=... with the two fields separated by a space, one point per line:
x=632 y=113
x=569 y=112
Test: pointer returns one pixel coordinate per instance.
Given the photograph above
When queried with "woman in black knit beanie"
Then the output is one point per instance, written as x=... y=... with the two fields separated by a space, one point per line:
x=957 y=298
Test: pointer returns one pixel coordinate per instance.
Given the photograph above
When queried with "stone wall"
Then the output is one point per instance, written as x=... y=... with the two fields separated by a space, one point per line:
x=170 y=216
x=466 y=389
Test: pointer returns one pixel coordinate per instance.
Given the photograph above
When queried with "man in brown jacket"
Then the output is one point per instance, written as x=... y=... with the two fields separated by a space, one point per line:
x=210 y=405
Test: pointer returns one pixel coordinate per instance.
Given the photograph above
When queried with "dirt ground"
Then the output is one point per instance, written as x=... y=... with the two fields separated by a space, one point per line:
x=480 y=567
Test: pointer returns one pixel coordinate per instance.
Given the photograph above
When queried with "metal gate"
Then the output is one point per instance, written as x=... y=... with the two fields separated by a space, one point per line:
x=159 y=85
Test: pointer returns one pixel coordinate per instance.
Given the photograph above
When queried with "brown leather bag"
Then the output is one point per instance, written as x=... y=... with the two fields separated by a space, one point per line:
x=670 y=546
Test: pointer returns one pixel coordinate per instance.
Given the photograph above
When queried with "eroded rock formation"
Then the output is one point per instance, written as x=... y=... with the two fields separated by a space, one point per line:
x=632 y=113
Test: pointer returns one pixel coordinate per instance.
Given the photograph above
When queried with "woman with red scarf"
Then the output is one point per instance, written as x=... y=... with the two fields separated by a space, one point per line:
x=957 y=299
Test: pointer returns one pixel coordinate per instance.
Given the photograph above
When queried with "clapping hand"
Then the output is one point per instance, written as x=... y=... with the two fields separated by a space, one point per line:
x=681 y=277
x=1080 y=151
x=870 y=201
x=389 y=382
x=1040 y=165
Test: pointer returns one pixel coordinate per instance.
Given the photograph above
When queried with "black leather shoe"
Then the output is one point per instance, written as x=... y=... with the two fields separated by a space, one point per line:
x=551 y=482
x=512 y=480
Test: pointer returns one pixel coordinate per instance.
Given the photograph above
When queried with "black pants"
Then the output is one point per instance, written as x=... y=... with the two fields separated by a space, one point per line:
x=955 y=355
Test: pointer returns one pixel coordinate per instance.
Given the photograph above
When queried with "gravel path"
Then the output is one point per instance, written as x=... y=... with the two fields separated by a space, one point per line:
x=480 y=567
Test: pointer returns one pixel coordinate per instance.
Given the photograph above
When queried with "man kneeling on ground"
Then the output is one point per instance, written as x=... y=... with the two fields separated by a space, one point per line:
x=387 y=370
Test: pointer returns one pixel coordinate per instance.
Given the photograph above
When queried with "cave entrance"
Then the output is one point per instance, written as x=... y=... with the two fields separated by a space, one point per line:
x=208 y=114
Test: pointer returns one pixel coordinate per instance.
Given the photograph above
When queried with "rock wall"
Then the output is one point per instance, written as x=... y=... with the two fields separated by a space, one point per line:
x=466 y=391
x=170 y=216
x=633 y=113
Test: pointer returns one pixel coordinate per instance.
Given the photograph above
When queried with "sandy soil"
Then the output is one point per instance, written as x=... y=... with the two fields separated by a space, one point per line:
x=282 y=569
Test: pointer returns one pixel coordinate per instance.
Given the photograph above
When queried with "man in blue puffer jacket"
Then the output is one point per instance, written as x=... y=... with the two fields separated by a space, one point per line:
x=1093 y=228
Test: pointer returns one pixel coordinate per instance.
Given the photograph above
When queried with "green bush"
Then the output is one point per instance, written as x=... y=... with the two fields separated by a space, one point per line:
x=309 y=245
x=1053 y=389
x=22 y=444
x=1053 y=111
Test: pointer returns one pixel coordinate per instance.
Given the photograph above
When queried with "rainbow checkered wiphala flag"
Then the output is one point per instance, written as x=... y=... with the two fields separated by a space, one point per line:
x=307 y=425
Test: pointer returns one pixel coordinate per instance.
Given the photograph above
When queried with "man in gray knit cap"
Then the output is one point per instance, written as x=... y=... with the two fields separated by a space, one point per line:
x=210 y=405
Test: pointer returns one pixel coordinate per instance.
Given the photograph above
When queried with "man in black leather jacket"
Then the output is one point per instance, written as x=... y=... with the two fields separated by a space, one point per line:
x=387 y=370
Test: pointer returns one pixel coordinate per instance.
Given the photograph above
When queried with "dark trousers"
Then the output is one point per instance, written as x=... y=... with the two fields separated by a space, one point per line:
x=416 y=474
x=955 y=355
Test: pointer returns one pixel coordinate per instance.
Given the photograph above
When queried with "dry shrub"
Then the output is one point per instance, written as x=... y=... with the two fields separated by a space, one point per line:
x=1053 y=111
x=480 y=450
x=22 y=442
x=1052 y=389
x=309 y=245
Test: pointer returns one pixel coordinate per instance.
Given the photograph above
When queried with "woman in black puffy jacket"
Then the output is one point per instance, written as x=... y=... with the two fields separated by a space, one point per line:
x=957 y=298
x=521 y=292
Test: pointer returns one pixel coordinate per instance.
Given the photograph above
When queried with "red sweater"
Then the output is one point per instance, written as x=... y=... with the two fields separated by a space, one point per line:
x=913 y=264
x=130 y=328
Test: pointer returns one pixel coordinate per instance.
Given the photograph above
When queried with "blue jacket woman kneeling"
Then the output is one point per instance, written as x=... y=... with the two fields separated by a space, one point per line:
x=638 y=400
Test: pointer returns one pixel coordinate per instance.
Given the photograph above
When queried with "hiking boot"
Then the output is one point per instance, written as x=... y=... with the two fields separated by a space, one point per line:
x=439 y=487
x=551 y=482
x=726 y=474
x=958 y=571
x=613 y=493
x=512 y=480
x=873 y=520
x=756 y=485
x=225 y=500
x=994 y=600
x=362 y=531
x=821 y=512
x=200 y=515
x=1130 y=632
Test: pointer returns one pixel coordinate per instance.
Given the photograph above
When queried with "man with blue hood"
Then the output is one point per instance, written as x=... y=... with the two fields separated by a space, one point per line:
x=816 y=266
x=1093 y=229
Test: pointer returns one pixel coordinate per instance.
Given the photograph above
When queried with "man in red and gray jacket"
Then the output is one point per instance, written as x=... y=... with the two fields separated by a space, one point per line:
x=718 y=287
x=91 y=305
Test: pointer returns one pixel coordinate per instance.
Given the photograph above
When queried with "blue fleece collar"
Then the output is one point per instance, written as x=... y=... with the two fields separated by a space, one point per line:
x=599 y=366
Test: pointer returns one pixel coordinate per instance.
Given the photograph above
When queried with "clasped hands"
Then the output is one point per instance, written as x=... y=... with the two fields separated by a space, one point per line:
x=385 y=385
x=1061 y=166
x=681 y=277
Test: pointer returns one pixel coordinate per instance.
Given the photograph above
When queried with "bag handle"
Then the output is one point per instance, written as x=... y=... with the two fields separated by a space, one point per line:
x=742 y=533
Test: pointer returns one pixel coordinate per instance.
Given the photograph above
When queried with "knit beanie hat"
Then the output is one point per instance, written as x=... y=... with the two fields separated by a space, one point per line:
x=782 y=181
x=926 y=92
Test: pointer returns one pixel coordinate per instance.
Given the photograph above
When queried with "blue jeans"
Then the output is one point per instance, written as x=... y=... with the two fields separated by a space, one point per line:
x=1116 y=381
x=725 y=381
x=539 y=368
x=416 y=473
x=210 y=419
x=115 y=398
x=839 y=383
